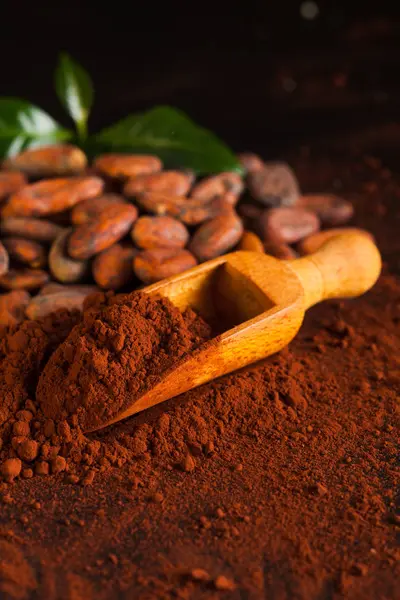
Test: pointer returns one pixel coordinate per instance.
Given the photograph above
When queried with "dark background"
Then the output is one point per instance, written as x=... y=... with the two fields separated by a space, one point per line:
x=257 y=73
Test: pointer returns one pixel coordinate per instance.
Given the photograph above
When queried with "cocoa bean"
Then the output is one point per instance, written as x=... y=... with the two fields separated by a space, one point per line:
x=27 y=252
x=153 y=265
x=68 y=299
x=11 y=182
x=24 y=279
x=55 y=288
x=156 y=232
x=282 y=251
x=174 y=183
x=101 y=233
x=218 y=185
x=250 y=214
x=251 y=242
x=216 y=236
x=124 y=166
x=38 y=230
x=12 y=307
x=251 y=162
x=90 y=209
x=250 y=211
x=196 y=212
x=331 y=209
x=51 y=288
x=314 y=242
x=162 y=204
x=287 y=225
x=62 y=266
x=63 y=159
x=4 y=260
x=51 y=196
x=189 y=211
x=274 y=185
x=112 y=269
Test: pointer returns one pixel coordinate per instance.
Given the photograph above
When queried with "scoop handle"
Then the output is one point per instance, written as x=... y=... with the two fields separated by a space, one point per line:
x=345 y=266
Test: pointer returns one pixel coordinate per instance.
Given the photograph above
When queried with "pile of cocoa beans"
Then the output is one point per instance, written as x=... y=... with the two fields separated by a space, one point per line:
x=68 y=228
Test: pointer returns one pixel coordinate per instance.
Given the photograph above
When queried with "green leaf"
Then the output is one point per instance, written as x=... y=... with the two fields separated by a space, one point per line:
x=24 y=125
x=75 y=90
x=171 y=135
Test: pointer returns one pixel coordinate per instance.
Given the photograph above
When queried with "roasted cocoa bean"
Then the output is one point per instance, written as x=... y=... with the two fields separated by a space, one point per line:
x=282 y=251
x=331 y=209
x=26 y=252
x=51 y=288
x=24 y=279
x=91 y=209
x=12 y=307
x=251 y=162
x=274 y=185
x=11 y=182
x=51 y=196
x=162 y=204
x=68 y=299
x=159 y=232
x=249 y=211
x=173 y=183
x=218 y=185
x=101 y=233
x=216 y=236
x=62 y=266
x=314 y=242
x=124 y=166
x=61 y=160
x=251 y=242
x=287 y=225
x=153 y=265
x=228 y=198
x=4 y=260
x=112 y=269
x=38 y=230
x=55 y=288
x=196 y=212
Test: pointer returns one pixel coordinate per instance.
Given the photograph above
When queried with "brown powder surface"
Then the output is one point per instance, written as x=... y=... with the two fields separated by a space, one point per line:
x=23 y=351
x=280 y=481
x=119 y=350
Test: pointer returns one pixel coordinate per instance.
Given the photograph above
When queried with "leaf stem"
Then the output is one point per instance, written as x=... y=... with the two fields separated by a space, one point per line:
x=82 y=130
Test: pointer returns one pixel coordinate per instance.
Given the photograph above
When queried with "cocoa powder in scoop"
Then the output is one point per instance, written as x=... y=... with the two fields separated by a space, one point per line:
x=116 y=352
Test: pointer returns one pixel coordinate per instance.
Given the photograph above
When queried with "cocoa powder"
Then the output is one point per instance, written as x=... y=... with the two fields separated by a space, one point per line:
x=275 y=482
x=117 y=352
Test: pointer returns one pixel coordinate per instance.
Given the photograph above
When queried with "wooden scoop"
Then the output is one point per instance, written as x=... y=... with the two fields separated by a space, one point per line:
x=264 y=299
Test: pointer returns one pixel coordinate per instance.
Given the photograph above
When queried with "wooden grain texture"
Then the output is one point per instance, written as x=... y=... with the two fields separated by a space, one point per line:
x=265 y=300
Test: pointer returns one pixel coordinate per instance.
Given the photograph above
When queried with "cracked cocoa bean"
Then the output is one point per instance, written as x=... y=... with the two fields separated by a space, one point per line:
x=111 y=225
x=91 y=209
x=51 y=196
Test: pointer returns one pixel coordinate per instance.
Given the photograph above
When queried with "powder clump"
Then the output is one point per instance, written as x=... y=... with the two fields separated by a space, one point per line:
x=117 y=352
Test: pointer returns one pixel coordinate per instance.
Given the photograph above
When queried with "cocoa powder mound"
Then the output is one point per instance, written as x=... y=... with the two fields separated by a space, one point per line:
x=24 y=349
x=119 y=350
